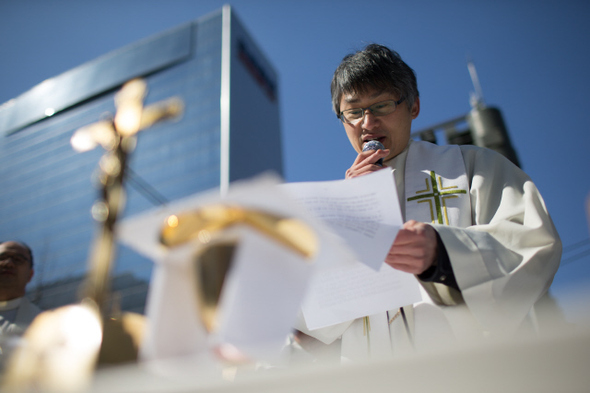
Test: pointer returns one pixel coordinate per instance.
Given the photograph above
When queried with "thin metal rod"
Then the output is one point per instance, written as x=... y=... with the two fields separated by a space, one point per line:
x=145 y=189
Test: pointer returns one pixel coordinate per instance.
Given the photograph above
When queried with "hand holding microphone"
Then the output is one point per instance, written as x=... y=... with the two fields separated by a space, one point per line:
x=374 y=145
x=362 y=164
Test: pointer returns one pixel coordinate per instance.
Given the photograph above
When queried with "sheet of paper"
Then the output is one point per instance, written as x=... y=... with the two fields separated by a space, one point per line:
x=340 y=295
x=262 y=295
x=363 y=211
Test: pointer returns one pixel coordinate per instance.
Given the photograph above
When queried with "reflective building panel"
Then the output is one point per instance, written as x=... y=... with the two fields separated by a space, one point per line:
x=48 y=188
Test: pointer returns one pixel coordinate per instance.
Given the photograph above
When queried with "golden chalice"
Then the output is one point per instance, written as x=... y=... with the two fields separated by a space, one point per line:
x=211 y=228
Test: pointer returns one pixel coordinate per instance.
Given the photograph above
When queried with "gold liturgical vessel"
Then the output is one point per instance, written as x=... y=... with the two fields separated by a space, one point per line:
x=210 y=228
x=64 y=346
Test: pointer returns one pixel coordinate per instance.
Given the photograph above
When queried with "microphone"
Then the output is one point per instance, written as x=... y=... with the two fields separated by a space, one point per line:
x=374 y=145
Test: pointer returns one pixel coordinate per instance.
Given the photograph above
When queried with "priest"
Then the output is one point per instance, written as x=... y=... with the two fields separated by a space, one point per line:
x=16 y=270
x=477 y=234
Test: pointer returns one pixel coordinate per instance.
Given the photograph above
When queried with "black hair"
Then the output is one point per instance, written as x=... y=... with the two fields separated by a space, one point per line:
x=375 y=67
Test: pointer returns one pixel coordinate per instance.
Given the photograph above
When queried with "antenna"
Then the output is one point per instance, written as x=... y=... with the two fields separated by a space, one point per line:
x=476 y=98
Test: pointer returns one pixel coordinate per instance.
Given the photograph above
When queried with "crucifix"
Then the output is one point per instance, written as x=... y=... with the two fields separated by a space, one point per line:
x=118 y=137
x=63 y=346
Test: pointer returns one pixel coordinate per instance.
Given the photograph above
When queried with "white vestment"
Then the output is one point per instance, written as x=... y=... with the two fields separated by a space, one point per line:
x=503 y=263
x=25 y=313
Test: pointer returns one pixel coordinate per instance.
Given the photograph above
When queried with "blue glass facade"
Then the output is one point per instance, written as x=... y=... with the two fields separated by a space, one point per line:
x=48 y=188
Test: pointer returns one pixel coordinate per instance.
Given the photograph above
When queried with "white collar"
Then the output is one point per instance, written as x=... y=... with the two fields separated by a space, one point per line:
x=10 y=304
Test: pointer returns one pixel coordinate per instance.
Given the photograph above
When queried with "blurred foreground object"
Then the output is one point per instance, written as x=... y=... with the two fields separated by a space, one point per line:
x=62 y=347
x=230 y=273
x=526 y=365
x=60 y=350
x=214 y=251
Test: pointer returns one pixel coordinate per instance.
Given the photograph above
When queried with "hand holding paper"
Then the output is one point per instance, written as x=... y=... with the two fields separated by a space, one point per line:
x=414 y=249
x=365 y=213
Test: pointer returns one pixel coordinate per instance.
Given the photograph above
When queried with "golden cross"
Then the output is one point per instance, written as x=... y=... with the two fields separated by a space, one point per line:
x=118 y=137
x=439 y=194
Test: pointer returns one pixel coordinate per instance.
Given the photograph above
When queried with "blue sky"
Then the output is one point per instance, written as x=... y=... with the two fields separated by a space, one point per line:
x=531 y=57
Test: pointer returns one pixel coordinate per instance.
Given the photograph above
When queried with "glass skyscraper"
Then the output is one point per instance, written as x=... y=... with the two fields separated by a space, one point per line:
x=230 y=130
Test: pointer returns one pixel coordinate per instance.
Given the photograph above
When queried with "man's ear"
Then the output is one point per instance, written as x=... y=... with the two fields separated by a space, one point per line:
x=31 y=276
x=415 y=111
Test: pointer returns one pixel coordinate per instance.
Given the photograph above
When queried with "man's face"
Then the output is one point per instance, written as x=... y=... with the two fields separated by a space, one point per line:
x=15 y=270
x=392 y=130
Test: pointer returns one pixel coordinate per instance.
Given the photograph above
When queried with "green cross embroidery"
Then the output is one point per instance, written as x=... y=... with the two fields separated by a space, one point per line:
x=439 y=194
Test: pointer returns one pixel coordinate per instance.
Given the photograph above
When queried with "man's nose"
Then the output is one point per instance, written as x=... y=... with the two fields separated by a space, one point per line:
x=369 y=120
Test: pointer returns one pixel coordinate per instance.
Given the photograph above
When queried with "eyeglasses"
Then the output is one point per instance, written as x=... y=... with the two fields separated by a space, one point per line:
x=355 y=115
x=17 y=259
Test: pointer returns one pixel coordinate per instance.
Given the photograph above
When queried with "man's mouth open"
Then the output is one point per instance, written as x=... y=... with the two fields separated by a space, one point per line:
x=380 y=139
